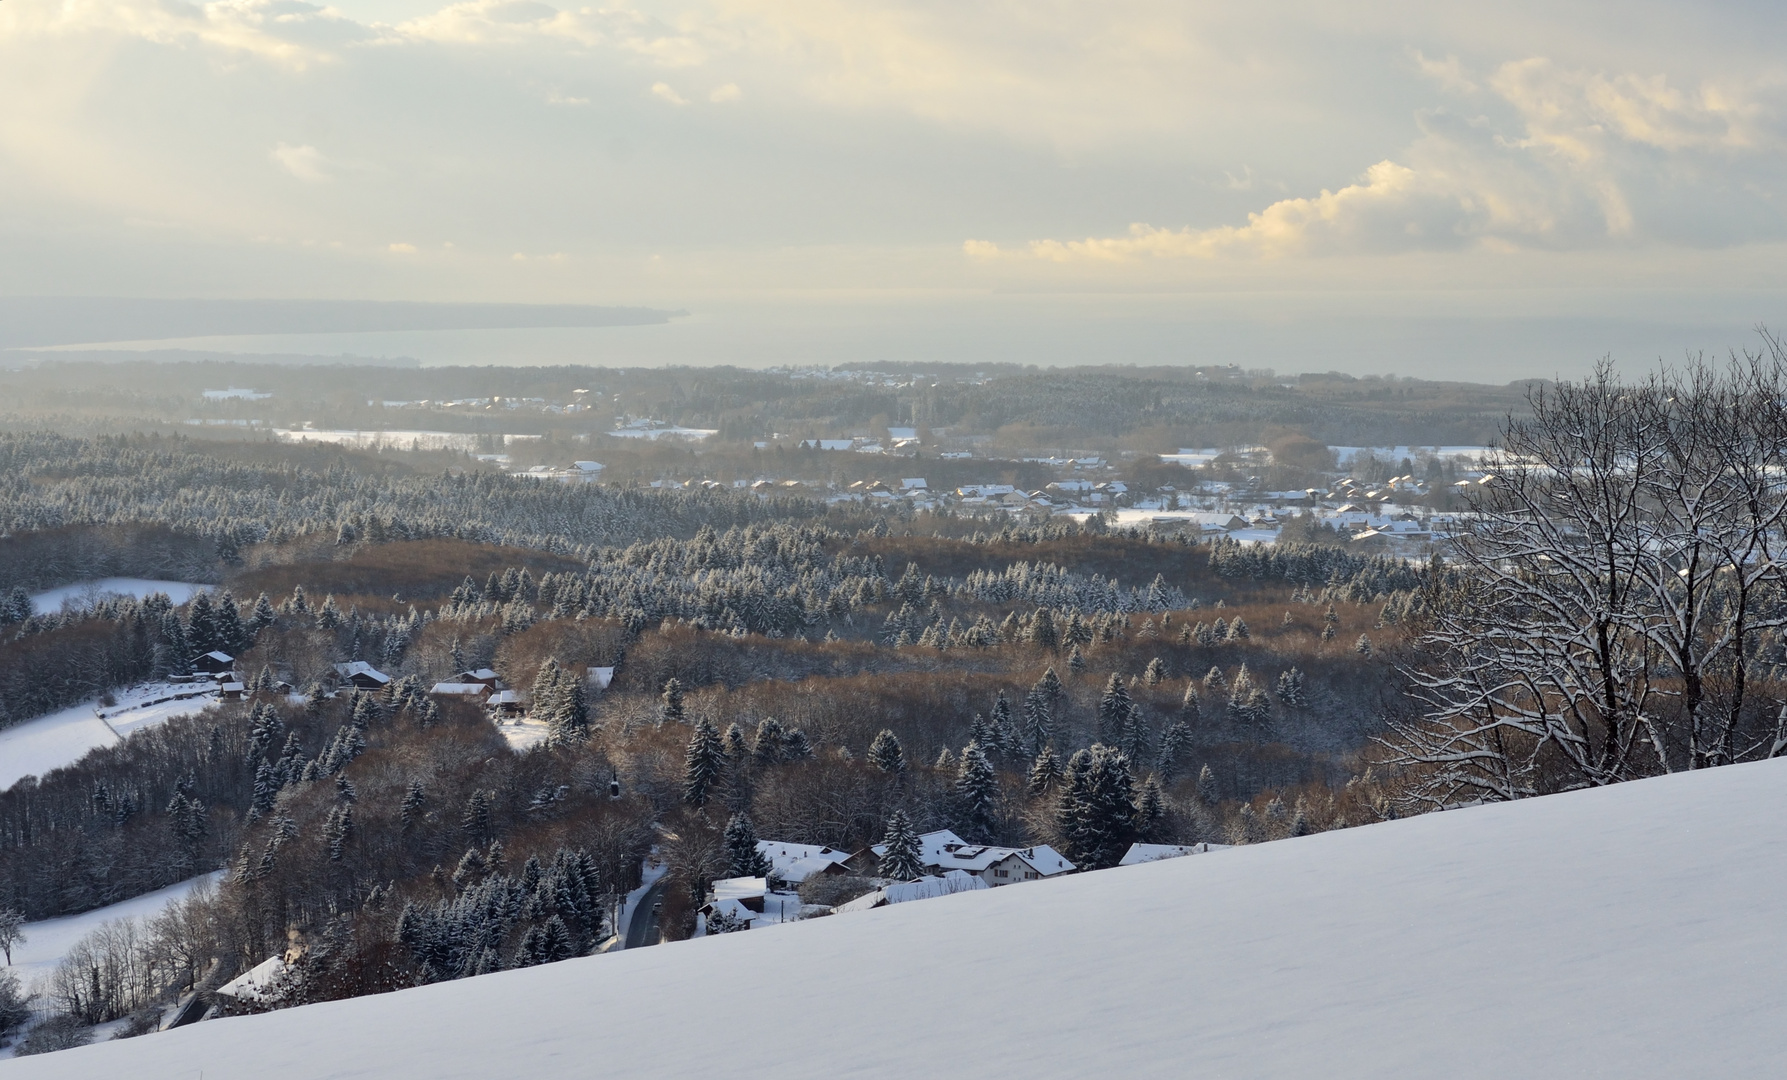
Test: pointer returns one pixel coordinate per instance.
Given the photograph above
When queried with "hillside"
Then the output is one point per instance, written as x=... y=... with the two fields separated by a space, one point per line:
x=1629 y=931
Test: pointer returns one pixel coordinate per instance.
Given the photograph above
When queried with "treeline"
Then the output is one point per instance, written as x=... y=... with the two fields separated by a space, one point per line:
x=48 y=558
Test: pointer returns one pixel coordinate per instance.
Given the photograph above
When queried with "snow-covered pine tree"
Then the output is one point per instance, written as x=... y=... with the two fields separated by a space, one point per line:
x=414 y=800
x=886 y=754
x=743 y=858
x=1096 y=816
x=702 y=764
x=548 y=684
x=1045 y=772
x=670 y=707
x=1156 y=672
x=1150 y=811
x=1039 y=721
x=1290 y=688
x=1363 y=646
x=768 y=748
x=1114 y=707
x=903 y=859
x=1175 y=749
x=976 y=792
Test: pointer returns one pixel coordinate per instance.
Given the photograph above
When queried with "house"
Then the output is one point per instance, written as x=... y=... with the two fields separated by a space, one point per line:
x=924 y=888
x=362 y=676
x=748 y=892
x=475 y=691
x=482 y=675
x=1001 y=865
x=913 y=483
x=214 y=663
x=230 y=691
x=930 y=849
x=506 y=703
x=795 y=863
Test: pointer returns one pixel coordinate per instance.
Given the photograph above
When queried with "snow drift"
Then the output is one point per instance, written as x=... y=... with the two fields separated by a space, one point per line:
x=1632 y=931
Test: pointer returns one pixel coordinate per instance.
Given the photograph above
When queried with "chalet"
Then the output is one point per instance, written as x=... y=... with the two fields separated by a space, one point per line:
x=930 y=849
x=362 y=676
x=1001 y=865
x=231 y=691
x=482 y=675
x=747 y=891
x=473 y=691
x=214 y=663
x=506 y=703
x=795 y=863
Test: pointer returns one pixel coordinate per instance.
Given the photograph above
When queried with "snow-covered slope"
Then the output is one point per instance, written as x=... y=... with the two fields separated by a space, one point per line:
x=61 y=738
x=48 y=941
x=1636 y=931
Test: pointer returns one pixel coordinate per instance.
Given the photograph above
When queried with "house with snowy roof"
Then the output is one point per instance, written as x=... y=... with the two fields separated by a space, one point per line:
x=362 y=676
x=472 y=691
x=928 y=887
x=214 y=663
x=795 y=863
x=943 y=851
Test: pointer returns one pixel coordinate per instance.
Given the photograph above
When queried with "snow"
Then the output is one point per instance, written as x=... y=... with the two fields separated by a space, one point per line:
x=1633 y=931
x=35 y=747
x=83 y=593
x=48 y=941
x=523 y=732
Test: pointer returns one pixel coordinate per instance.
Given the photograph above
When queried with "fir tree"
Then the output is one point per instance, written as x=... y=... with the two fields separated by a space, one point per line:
x=262 y=616
x=1096 y=815
x=768 y=748
x=1207 y=793
x=569 y=722
x=414 y=800
x=1175 y=747
x=201 y=625
x=1363 y=646
x=702 y=764
x=743 y=858
x=1045 y=772
x=977 y=792
x=904 y=858
x=1156 y=672
x=1238 y=630
x=1039 y=721
x=670 y=703
x=1150 y=811
x=1113 y=710
x=1042 y=630
x=1076 y=663
x=1290 y=688
x=474 y=821
x=548 y=685
x=796 y=746
x=886 y=754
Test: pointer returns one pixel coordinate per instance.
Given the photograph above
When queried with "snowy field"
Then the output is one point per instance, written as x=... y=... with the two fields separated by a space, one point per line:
x=1634 y=931
x=35 y=747
x=524 y=733
x=47 y=942
x=84 y=593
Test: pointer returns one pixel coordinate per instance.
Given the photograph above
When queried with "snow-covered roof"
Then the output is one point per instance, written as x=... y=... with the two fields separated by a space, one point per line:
x=220 y=657
x=924 y=888
x=460 y=689
x=506 y=697
x=1141 y=853
x=930 y=846
x=798 y=862
x=254 y=982
x=361 y=667
x=480 y=675
x=740 y=888
x=1044 y=859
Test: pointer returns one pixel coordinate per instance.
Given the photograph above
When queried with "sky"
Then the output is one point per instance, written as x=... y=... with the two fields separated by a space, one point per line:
x=1482 y=192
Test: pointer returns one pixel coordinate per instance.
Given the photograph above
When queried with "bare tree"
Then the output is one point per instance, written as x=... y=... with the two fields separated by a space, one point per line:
x=1615 y=582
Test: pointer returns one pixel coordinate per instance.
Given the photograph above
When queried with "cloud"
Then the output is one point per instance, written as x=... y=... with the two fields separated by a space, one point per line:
x=286 y=32
x=303 y=162
x=401 y=248
x=524 y=22
x=723 y=94
x=663 y=90
x=1582 y=170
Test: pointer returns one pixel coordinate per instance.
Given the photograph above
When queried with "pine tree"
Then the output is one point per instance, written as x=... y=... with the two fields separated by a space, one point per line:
x=768 y=748
x=796 y=746
x=1096 y=815
x=1207 y=793
x=475 y=820
x=262 y=616
x=1150 y=811
x=1362 y=646
x=1290 y=688
x=886 y=754
x=201 y=625
x=1238 y=630
x=1042 y=630
x=977 y=792
x=1113 y=710
x=329 y=616
x=670 y=708
x=1175 y=747
x=743 y=858
x=1136 y=739
x=569 y=723
x=904 y=858
x=703 y=764
x=1190 y=711
x=1045 y=772
x=414 y=800
x=1156 y=672
x=1039 y=721
x=548 y=681
x=1076 y=662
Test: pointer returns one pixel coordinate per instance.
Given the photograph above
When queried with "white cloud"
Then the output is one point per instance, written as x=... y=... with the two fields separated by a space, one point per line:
x=726 y=93
x=1565 y=179
x=286 y=32
x=401 y=248
x=663 y=90
x=303 y=162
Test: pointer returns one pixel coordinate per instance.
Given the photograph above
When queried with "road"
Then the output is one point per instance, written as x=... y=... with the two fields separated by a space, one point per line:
x=642 y=929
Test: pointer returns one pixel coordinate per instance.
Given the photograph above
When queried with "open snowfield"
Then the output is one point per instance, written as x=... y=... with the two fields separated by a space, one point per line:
x=47 y=942
x=35 y=747
x=1634 y=931
x=83 y=593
